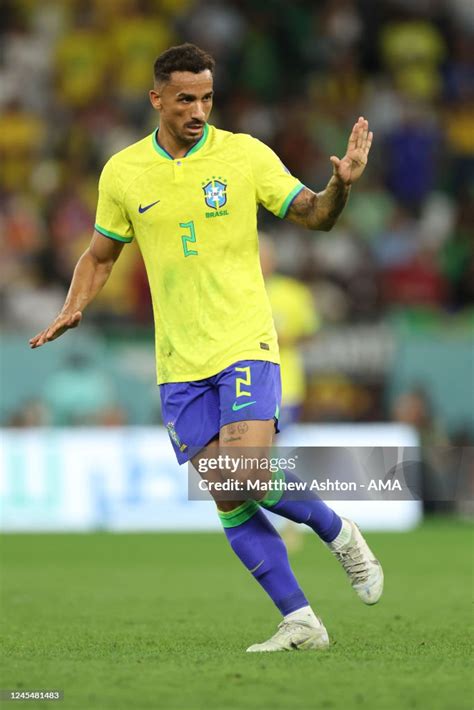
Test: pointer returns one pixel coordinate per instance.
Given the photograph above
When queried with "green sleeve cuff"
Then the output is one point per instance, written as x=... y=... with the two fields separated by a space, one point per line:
x=287 y=203
x=112 y=235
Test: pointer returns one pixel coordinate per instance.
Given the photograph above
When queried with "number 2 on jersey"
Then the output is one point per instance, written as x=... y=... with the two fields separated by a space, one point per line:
x=191 y=237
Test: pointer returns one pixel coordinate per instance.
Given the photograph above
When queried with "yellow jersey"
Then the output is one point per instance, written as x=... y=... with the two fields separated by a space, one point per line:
x=195 y=221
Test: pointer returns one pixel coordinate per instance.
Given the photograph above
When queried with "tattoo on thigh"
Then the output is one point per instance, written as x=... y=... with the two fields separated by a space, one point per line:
x=242 y=427
x=226 y=440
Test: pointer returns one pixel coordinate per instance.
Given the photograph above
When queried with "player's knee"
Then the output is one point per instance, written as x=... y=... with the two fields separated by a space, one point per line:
x=225 y=506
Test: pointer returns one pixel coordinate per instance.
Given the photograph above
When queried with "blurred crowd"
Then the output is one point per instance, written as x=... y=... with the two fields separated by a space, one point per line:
x=74 y=77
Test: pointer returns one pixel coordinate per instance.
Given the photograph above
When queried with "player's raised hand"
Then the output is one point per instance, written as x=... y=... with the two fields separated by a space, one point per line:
x=63 y=322
x=349 y=168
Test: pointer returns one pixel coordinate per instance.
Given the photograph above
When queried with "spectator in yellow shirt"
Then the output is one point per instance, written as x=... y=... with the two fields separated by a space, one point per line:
x=296 y=319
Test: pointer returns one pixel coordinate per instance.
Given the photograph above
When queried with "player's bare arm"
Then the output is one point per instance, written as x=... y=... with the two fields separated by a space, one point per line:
x=91 y=272
x=320 y=210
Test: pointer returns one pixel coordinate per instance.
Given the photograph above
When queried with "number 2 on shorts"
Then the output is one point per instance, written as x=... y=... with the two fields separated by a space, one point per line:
x=242 y=382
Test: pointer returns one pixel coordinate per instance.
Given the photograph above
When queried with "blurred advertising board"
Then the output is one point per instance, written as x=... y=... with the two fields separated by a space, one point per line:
x=127 y=479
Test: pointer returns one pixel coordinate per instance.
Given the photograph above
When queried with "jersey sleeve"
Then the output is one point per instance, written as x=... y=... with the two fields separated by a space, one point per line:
x=275 y=186
x=111 y=217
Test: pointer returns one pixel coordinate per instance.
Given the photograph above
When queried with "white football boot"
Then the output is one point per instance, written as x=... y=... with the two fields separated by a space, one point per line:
x=363 y=569
x=294 y=636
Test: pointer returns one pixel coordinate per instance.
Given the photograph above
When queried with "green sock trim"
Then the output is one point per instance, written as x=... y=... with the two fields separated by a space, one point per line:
x=274 y=496
x=239 y=515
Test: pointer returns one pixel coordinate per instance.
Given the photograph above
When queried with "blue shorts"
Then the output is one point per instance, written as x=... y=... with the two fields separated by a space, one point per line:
x=194 y=412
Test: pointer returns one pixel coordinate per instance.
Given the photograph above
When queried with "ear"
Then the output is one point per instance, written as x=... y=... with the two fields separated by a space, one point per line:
x=155 y=99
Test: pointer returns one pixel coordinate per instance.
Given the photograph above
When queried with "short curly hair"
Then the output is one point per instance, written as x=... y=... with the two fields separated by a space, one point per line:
x=184 y=57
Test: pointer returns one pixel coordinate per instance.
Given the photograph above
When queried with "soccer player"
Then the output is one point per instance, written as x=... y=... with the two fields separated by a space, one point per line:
x=188 y=194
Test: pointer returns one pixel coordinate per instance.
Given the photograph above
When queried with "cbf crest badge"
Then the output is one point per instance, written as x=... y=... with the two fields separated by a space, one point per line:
x=215 y=193
x=174 y=437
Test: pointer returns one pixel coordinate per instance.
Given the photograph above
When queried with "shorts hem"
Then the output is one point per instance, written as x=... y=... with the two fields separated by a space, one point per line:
x=254 y=419
x=186 y=456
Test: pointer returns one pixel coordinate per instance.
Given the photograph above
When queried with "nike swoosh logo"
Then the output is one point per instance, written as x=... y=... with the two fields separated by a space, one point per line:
x=144 y=209
x=236 y=407
x=256 y=568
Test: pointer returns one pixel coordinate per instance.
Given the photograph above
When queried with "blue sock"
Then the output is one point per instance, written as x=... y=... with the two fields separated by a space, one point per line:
x=258 y=545
x=313 y=511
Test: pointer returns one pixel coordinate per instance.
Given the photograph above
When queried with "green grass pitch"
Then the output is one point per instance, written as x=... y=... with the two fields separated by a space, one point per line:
x=162 y=621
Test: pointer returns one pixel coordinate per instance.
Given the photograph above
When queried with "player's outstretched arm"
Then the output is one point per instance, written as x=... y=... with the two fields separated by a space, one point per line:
x=91 y=272
x=320 y=210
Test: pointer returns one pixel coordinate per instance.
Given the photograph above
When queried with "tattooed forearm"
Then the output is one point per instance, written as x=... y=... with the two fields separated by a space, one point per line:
x=332 y=200
x=319 y=210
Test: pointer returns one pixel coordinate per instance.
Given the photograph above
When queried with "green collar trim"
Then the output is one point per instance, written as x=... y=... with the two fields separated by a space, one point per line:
x=164 y=153
x=200 y=142
x=161 y=151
